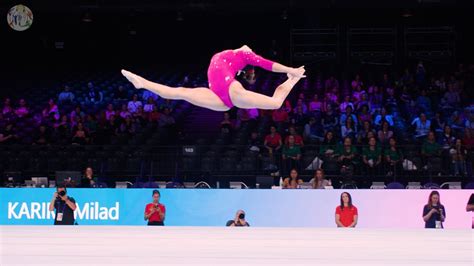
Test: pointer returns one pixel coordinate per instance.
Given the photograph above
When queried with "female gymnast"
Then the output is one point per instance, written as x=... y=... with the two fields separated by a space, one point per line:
x=224 y=91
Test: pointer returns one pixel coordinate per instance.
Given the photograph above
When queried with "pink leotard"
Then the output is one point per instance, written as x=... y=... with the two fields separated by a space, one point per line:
x=225 y=65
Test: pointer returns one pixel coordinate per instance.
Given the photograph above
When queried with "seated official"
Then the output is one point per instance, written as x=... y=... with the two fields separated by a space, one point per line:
x=319 y=181
x=64 y=207
x=346 y=213
x=155 y=211
x=293 y=181
x=239 y=220
x=89 y=180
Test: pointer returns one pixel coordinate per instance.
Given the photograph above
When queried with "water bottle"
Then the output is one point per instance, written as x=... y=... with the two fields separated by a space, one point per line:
x=281 y=181
x=217 y=184
x=257 y=186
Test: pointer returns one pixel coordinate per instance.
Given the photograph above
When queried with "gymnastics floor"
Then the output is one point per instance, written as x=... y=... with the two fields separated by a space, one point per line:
x=130 y=245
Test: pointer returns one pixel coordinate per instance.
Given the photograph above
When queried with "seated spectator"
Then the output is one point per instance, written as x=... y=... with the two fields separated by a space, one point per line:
x=124 y=113
x=287 y=106
x=332 y=97
x=167 y=104
x=391 y=100
x=422 y=126
x=364 y=115
x=273 y=142
x=363 y=134
x=127 y=128
x=80 y=135
x=298 y=138
x=291 y=154
x=298 y=119
x=356 y=82
x=94 y=96
x=328 y=148
x=393 y=157
x=280 y=116
x=372 y=158
x=376 y=100
x=424 y=102
x=293 y=181
x=255 y=144
x=22 y=110
x=319 y=181
x=91 y=125
x=148 y=108
x=383 y=116
x=89 y=180
x=313 y=130
x=122 y=94
x=331 y=83
x=166 y=119
x=357 y=94
x=384 y=133
x=347 y=114
x=63 y=130
x=346 y=212
x=315 y=105
x=154 y=116
x=239 y=220
x=349 y=129
x=346 y=153
x=7 y=108
x=456 y=121
x=43 y=137
x=77 y=114
x=66 y=96
x=347 y=102
x=452 y=97
x=469 y=121
x=364 y=101
x=438 y=123
x=227 y=126
x=139 y=116
x=51 y=111
x=330 y=119
x=133 y=105
x=468 y=139
x=458 y=157
x=8 y=135
x=447 y=140
x=300 y=104
x=110 y=111
x=430 y=147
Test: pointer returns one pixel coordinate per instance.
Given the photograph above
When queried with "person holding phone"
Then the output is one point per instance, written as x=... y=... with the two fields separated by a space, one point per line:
x=434 y=212
x=239 y=220
x=64 y=206
x=155 y=211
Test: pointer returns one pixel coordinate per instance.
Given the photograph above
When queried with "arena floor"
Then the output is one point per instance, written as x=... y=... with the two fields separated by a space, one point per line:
x=123 y=245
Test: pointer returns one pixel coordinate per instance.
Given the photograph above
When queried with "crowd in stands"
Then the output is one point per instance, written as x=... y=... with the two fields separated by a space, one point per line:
x=368 y=126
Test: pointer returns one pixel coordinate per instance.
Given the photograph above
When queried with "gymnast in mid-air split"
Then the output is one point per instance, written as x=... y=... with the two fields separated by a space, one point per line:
x=224 y=90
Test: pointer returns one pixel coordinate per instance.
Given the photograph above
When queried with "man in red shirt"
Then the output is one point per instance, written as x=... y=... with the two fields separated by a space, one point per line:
x=155 y=211
x=298 y=138
x=346 y=213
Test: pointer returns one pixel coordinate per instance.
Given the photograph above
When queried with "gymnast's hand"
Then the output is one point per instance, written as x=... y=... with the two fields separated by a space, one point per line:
x=137 y=81
x=297 y=72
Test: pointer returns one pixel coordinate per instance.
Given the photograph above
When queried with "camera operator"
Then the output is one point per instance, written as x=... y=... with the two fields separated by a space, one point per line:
x=155 y=211
x=64 y=206
x=239 y=219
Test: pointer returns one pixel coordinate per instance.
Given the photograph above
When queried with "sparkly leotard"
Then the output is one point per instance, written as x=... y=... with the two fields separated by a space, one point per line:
x=225 y=65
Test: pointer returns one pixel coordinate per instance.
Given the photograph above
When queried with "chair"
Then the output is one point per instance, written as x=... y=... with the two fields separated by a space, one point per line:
x=378 y=185
x=413 y=185
x=451 y=185
x=431 y=185
x=395 y=185
x=469 y=185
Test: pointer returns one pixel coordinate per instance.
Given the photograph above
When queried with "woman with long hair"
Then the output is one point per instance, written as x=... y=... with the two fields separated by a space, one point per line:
x=434 y=212
x=224 y=90
x=319 y=181
x=346 y=212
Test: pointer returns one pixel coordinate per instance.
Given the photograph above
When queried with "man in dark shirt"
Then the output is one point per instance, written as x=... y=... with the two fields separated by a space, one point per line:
x=239 y=220
x=64 y=206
